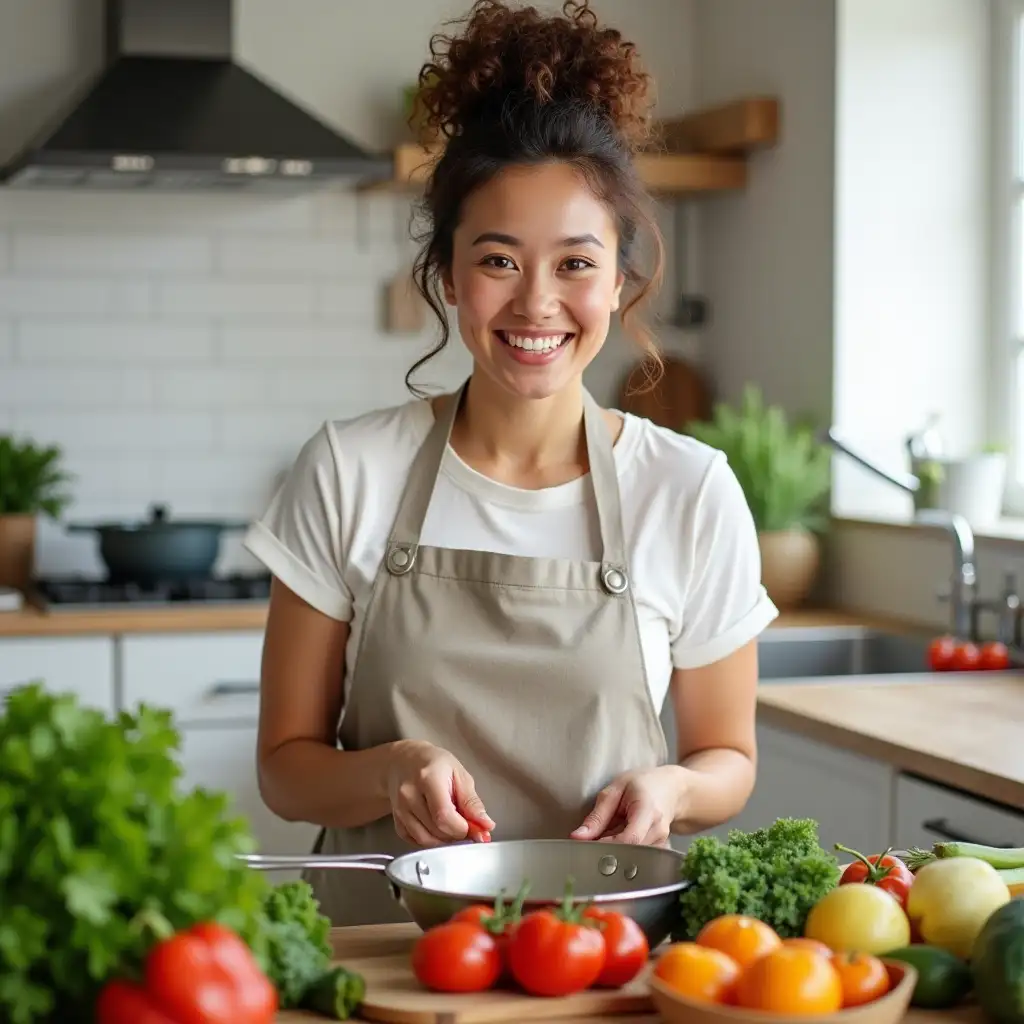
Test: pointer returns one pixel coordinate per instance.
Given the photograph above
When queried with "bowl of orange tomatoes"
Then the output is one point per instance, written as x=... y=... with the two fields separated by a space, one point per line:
x=739 y=970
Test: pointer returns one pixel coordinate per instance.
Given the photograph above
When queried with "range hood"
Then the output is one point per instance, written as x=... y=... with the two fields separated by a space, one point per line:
x=172 y=109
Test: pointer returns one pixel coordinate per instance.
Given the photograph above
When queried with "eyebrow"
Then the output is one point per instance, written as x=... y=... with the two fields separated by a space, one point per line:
x=503 y=239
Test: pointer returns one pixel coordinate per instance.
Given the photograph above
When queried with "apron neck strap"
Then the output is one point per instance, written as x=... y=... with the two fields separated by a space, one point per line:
x=419 y=487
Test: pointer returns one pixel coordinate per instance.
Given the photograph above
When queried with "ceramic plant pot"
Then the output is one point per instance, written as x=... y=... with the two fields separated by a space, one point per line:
x=17 y=550
x=789 y=565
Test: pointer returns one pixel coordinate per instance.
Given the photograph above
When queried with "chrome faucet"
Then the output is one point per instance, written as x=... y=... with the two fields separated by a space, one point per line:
x=962 y=594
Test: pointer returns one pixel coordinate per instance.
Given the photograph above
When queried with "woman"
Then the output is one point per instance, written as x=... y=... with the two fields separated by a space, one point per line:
x=494 y=591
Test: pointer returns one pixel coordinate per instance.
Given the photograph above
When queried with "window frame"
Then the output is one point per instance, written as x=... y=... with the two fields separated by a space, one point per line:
x=1006 y=363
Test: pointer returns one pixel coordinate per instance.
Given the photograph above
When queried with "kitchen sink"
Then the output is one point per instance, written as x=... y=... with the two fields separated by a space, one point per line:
x=792 y=654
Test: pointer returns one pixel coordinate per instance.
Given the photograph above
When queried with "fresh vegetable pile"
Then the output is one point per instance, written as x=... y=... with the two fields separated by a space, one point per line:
x=774 y=874
x=110 y=871
x=549 y=952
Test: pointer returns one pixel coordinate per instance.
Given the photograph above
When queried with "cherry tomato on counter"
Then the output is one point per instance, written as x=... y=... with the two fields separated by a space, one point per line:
x=881 y=870
x=457 y=956
x=967 y=657
x=626 y=947
x=557 y=951
x=940 y=653
x=994 y=656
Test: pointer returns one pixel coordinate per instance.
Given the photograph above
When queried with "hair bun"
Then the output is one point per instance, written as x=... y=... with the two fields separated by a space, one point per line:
x=513 y=53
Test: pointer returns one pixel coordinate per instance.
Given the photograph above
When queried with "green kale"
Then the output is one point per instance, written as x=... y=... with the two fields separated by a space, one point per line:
x=97 y=839
x=775 y=874
x=293 y=942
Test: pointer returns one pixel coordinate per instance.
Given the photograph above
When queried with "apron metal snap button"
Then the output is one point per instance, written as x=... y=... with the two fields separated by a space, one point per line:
x=400 y=560
x=614 y=580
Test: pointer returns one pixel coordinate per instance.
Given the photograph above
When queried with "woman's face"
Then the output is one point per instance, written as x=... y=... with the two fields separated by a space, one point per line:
x=534 y=277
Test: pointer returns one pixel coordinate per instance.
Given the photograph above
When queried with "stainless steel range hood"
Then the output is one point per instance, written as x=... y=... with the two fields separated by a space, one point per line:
x=172 y=109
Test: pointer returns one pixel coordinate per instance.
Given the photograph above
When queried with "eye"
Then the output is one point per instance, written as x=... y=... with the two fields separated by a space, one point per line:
x=496 y=262
x=579 y=263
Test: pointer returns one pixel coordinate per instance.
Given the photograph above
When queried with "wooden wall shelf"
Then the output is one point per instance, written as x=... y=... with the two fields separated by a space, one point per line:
x=702 y=152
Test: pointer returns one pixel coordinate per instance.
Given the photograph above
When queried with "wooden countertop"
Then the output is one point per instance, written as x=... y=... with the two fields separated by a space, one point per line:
x=31 y=621
x=381 y=953
x=963 y=730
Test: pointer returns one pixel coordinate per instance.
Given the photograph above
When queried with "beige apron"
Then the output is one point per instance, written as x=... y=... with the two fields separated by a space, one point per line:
x=528 y=670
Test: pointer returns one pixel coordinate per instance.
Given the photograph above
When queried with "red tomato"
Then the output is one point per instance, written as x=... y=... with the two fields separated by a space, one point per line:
x=881 y=870
x=966 y=657
x=556 y=953
x=457 y=956
x=994 y=655
x=940 y=653
x=626 y=947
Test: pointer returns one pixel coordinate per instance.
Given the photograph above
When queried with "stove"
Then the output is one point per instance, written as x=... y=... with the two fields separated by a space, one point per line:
x=81 y=593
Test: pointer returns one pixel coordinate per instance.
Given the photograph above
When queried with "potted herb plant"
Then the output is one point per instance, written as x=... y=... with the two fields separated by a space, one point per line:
x=786 y=476
x=31 y=484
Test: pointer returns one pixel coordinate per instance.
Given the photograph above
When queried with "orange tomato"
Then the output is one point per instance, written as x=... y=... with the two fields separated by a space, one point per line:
x=790 y=980
x=812 y=944
x=863 y=977
x=744 y=939
x=700 y=973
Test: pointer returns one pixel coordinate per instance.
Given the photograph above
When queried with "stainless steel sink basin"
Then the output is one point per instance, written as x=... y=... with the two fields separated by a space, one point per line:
x=794 y=654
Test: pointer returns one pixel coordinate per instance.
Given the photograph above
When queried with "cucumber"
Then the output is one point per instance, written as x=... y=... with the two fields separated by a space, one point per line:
x=997 y=962
x=942 y=978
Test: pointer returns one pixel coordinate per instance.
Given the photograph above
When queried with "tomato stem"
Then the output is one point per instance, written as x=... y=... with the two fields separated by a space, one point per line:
x=876 y=871
x=571 y=911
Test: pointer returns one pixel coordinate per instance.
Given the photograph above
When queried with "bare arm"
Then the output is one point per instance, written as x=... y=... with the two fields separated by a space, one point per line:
x=302 y=775
x=715 y=708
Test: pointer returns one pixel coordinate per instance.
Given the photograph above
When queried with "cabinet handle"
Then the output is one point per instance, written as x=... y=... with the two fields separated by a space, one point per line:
x=942 y=828
x=229 y=689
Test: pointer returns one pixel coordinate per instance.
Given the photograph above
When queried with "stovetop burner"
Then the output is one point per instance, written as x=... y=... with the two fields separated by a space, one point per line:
x=74 y=593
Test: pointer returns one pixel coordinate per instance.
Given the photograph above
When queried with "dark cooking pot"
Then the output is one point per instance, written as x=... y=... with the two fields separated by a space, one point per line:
x=159 y=549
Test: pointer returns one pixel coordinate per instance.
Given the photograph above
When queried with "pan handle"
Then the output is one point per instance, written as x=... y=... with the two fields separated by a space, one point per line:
x=285 y=862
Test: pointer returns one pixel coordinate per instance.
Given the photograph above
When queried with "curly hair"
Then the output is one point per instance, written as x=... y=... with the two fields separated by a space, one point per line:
x=520 y=87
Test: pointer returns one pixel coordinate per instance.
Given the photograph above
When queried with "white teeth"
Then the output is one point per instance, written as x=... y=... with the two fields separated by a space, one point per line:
x=535 y=344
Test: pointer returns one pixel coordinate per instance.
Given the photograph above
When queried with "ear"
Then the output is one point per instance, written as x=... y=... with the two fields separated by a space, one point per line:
x=620 y=280
x=448 y=286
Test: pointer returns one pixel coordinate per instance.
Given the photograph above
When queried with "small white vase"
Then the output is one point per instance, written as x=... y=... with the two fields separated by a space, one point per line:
x=974 y=486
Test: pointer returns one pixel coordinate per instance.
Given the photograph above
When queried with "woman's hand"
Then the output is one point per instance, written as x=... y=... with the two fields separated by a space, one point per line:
x=433 y=800
x=638 y=807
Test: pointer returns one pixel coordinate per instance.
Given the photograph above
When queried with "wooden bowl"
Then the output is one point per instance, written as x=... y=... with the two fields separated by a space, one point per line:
x=891 y=1008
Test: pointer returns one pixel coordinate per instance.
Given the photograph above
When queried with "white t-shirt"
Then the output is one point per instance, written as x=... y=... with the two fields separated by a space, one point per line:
x=691 y=541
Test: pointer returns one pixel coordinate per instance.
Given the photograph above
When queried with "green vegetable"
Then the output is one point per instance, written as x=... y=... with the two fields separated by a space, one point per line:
x=337 y=993
x=997 y=856
x=97 y=839
x=942 y=978
x=997 y=963
x=293 y=942
x=775 y=874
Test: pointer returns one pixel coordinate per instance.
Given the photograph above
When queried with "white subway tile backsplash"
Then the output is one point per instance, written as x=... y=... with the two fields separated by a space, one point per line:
x=6 y=341
x=87 y=387
x=287 y=342
x=288 y=258
x=229 y=299
x=213 y=387
x=113 y=477
x=48 y=296
x=101 y=341
x=271 y=430
x=133 y=255
x=5 y=252
x=357 y=305
x=130 y=431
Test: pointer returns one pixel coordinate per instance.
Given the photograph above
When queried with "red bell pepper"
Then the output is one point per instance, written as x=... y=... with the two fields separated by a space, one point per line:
x=204 y=975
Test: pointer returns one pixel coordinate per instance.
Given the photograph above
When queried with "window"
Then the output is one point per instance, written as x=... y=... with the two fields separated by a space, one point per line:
x=1006 y=406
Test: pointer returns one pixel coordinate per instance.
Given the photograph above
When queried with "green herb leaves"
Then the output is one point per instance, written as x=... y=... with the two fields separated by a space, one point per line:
x=101 y=847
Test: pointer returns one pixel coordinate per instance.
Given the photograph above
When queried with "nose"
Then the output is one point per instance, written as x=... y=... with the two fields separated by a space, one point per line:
x=536 y=298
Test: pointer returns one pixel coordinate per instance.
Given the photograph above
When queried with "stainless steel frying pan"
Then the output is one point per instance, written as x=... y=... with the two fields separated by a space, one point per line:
x=643 y=882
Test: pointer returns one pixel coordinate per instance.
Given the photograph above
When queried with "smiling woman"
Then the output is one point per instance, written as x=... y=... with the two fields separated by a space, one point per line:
x=482 y=601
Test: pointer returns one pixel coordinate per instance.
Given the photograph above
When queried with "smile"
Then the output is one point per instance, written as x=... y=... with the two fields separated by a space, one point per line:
x=534 y=343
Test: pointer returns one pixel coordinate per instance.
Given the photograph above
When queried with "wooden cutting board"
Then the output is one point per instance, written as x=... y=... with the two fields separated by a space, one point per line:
x=381 y=954
x=682 y=395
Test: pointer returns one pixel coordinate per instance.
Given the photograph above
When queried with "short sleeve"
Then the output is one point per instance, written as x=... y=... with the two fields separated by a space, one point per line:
x=726 y=605
x=298 y=538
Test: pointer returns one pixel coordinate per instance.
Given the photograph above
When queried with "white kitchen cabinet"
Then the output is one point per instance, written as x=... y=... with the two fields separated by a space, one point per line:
x=83 y=666
x=848 y=795
x=927 y=812
x=201 y=677
x=223 y=758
